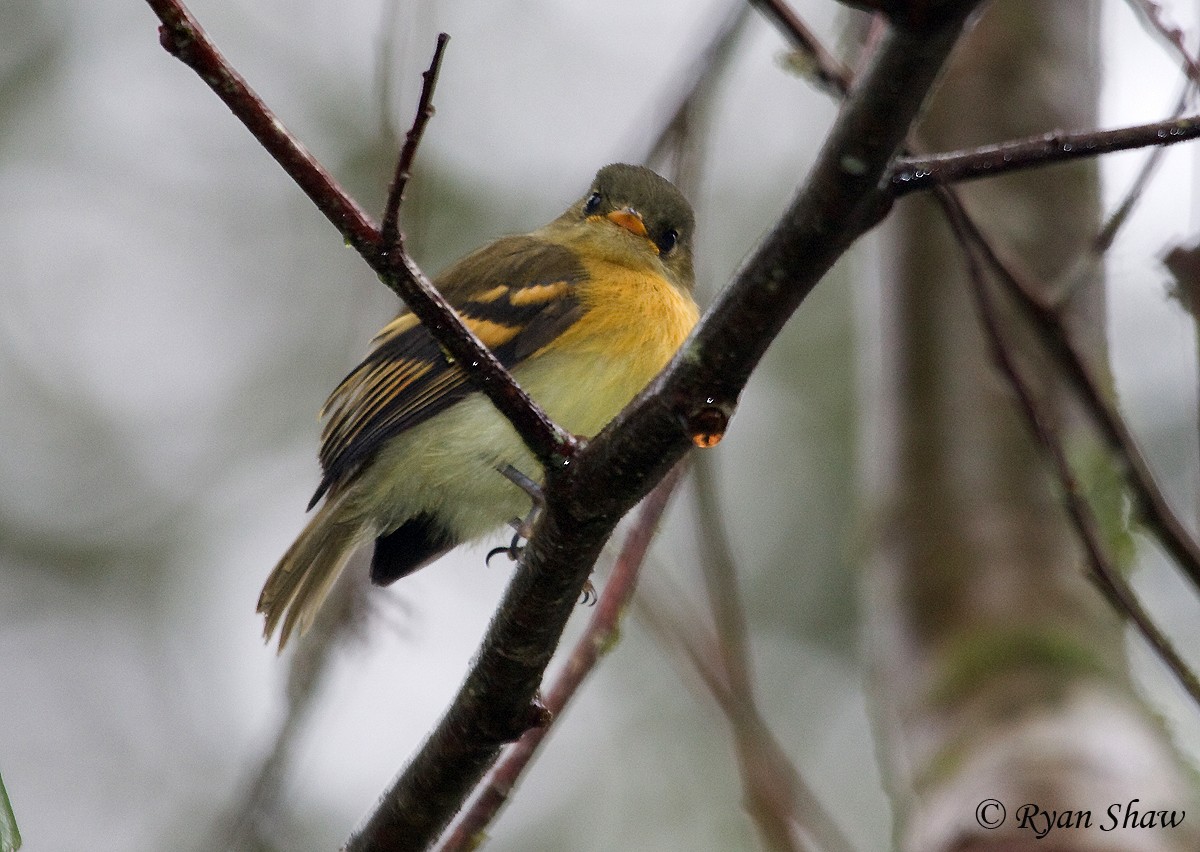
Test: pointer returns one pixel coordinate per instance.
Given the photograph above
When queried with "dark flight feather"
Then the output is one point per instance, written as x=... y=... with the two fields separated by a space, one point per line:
x=412 y=545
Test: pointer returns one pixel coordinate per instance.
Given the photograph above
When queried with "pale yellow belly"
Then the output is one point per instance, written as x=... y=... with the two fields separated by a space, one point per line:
x=448 y=466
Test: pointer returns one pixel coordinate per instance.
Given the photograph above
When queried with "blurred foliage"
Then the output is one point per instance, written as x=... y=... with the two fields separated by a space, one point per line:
x=10 y=837
x=1103 y=486
x=34 y=40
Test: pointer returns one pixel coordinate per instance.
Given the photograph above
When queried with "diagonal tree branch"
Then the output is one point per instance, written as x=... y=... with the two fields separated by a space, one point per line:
x=597 y=640
x=845 y=195
x=781 y=805
x=1106 y=576
x=671 y=142
x=828 y=71
x=1152 y=503
x=182 y=37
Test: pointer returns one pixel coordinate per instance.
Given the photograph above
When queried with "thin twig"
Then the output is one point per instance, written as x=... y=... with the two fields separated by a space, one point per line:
x=778 y=801
x=596 y=641
x=784 y=808
x=1151 y=500
x=1153 y=505
x=1120 y=215
x=913 y=174
x=1152 y=13
x=704 y=68
x=390 y=235
x=494 y=793
x=828 y=70
x=182 y=37
x=720 y=578
x=1110 y=580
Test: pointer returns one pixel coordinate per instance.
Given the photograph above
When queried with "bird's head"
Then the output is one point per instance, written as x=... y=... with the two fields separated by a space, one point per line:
x=635 y=216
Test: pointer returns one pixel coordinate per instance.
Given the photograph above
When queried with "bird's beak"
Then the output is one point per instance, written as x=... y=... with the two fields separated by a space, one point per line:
x=630 y=220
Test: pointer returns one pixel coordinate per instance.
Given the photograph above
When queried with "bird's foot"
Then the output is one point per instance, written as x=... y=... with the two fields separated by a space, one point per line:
x=522 y=526
x=529 y=486
x=512 y=550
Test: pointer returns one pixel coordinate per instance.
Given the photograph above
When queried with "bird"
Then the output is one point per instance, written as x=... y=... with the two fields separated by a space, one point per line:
x=583 y=312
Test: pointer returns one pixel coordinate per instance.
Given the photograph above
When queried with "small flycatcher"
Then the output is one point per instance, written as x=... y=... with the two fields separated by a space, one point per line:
x=584 y=312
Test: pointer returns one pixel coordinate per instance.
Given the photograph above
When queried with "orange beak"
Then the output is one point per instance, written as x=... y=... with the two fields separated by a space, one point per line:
x=630 y=220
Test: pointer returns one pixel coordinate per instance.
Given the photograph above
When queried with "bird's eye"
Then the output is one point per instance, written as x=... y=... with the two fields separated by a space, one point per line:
x=666 y=242
x=592 y=204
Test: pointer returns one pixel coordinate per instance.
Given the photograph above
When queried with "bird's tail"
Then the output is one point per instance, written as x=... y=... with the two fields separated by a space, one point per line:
x=298 y=585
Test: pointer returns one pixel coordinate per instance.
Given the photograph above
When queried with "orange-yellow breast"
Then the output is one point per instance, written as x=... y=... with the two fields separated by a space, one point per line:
x=635 y=316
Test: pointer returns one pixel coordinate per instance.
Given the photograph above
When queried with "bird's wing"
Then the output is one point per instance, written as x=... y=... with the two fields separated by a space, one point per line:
x=517 y=295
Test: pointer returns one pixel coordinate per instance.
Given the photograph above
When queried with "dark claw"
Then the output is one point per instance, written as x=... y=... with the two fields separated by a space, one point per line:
x=589 y=596
x=512 y=550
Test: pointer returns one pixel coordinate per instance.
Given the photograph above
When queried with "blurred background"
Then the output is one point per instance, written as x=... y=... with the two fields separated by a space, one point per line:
x=173 y=312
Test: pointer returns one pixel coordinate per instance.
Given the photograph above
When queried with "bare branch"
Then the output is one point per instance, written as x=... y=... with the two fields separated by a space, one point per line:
x=596 y=640
x=784 y=808
x=720 y=578
x=912 y=174
x=699 y=78
x=1151 y=502
x=1120 y=215
x=1107 y=577
x=1152 y=13
x=390 y=234
x=847 y=194
x=827 y=69
x=183 y=38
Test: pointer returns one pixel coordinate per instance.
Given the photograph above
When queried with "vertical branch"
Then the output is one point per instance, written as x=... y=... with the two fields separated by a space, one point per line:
x=780 y=804
x=597 y=640
x=720 y=578
x=390 y=235
x=778 y=799
x=784 y=808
